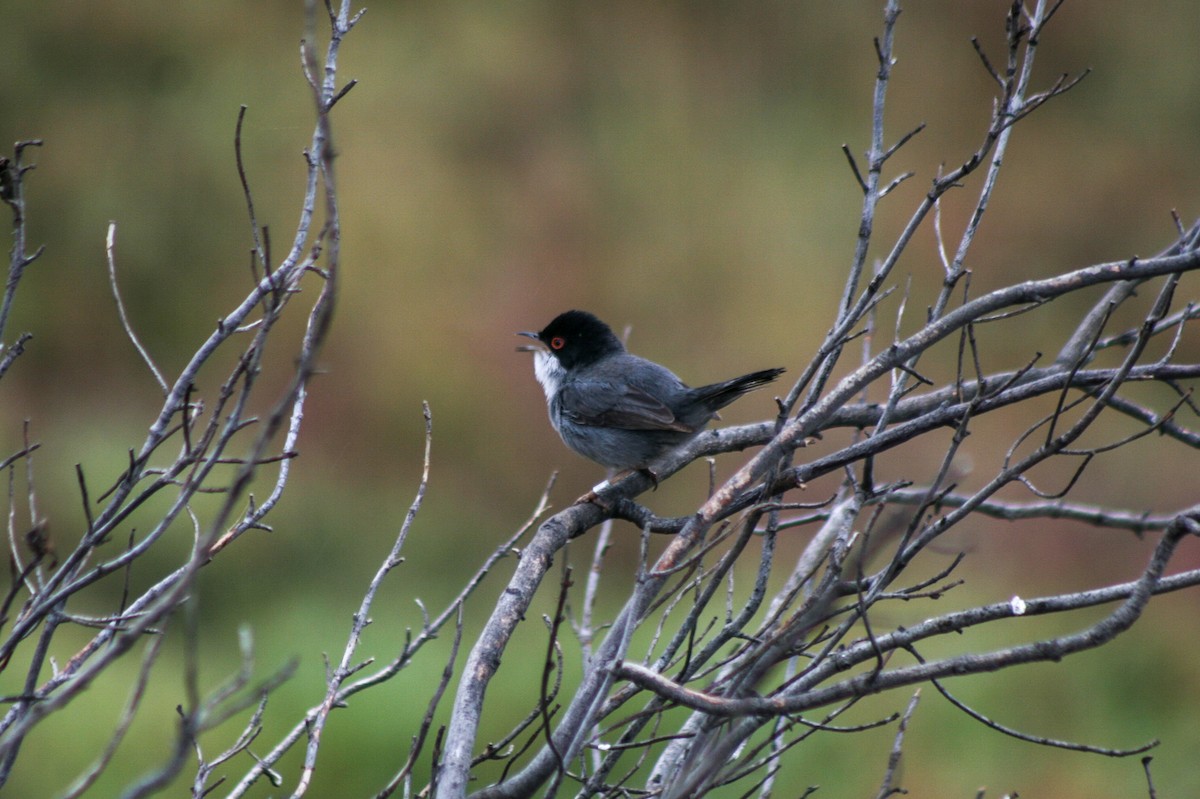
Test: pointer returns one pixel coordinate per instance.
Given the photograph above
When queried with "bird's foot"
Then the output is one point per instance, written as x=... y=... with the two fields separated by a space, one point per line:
x=651 y=474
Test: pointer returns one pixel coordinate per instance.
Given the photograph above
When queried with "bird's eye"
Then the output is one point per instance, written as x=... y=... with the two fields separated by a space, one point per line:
x=557 y=343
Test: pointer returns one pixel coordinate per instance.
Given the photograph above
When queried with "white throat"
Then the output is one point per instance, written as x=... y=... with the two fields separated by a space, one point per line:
x=549 y=372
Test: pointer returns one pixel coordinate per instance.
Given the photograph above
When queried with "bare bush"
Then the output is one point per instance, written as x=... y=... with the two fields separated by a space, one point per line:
x=816 y=644
x=700 y=681
x=195 y=446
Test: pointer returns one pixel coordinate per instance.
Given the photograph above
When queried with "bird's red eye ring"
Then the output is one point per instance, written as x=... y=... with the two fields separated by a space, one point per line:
x=557 y=343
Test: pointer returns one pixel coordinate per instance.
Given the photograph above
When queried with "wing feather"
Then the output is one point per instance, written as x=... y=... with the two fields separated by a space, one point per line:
x=605 y=404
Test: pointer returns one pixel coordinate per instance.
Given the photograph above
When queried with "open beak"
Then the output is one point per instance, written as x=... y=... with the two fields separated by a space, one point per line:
x=530 y=347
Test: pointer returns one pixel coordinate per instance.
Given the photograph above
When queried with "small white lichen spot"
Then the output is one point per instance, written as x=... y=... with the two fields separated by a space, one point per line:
x=1017 y=605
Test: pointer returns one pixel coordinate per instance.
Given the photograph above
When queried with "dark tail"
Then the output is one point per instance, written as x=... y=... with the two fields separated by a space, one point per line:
x=718 y=395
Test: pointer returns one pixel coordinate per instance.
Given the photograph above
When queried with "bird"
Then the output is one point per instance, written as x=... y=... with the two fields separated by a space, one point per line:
x=618 y=409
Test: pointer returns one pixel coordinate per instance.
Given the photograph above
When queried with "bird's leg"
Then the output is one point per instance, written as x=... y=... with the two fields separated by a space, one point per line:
x=593 y=496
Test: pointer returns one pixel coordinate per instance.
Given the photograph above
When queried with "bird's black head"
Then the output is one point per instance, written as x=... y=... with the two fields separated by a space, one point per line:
x=576 y=338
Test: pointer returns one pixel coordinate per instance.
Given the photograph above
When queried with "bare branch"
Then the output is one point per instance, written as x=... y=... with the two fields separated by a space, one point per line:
x=110 y=246
x=888 y=788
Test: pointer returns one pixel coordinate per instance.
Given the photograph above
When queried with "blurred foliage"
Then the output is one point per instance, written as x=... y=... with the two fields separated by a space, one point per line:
x=674 y=167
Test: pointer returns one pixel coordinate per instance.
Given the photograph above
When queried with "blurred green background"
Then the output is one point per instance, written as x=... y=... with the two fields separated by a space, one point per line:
x=673 y=167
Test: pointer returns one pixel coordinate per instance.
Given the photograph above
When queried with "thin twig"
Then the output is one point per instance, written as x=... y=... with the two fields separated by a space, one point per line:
x=110 y=245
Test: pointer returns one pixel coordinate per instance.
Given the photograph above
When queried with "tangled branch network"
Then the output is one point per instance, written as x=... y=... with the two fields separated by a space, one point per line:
x=804 y=583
